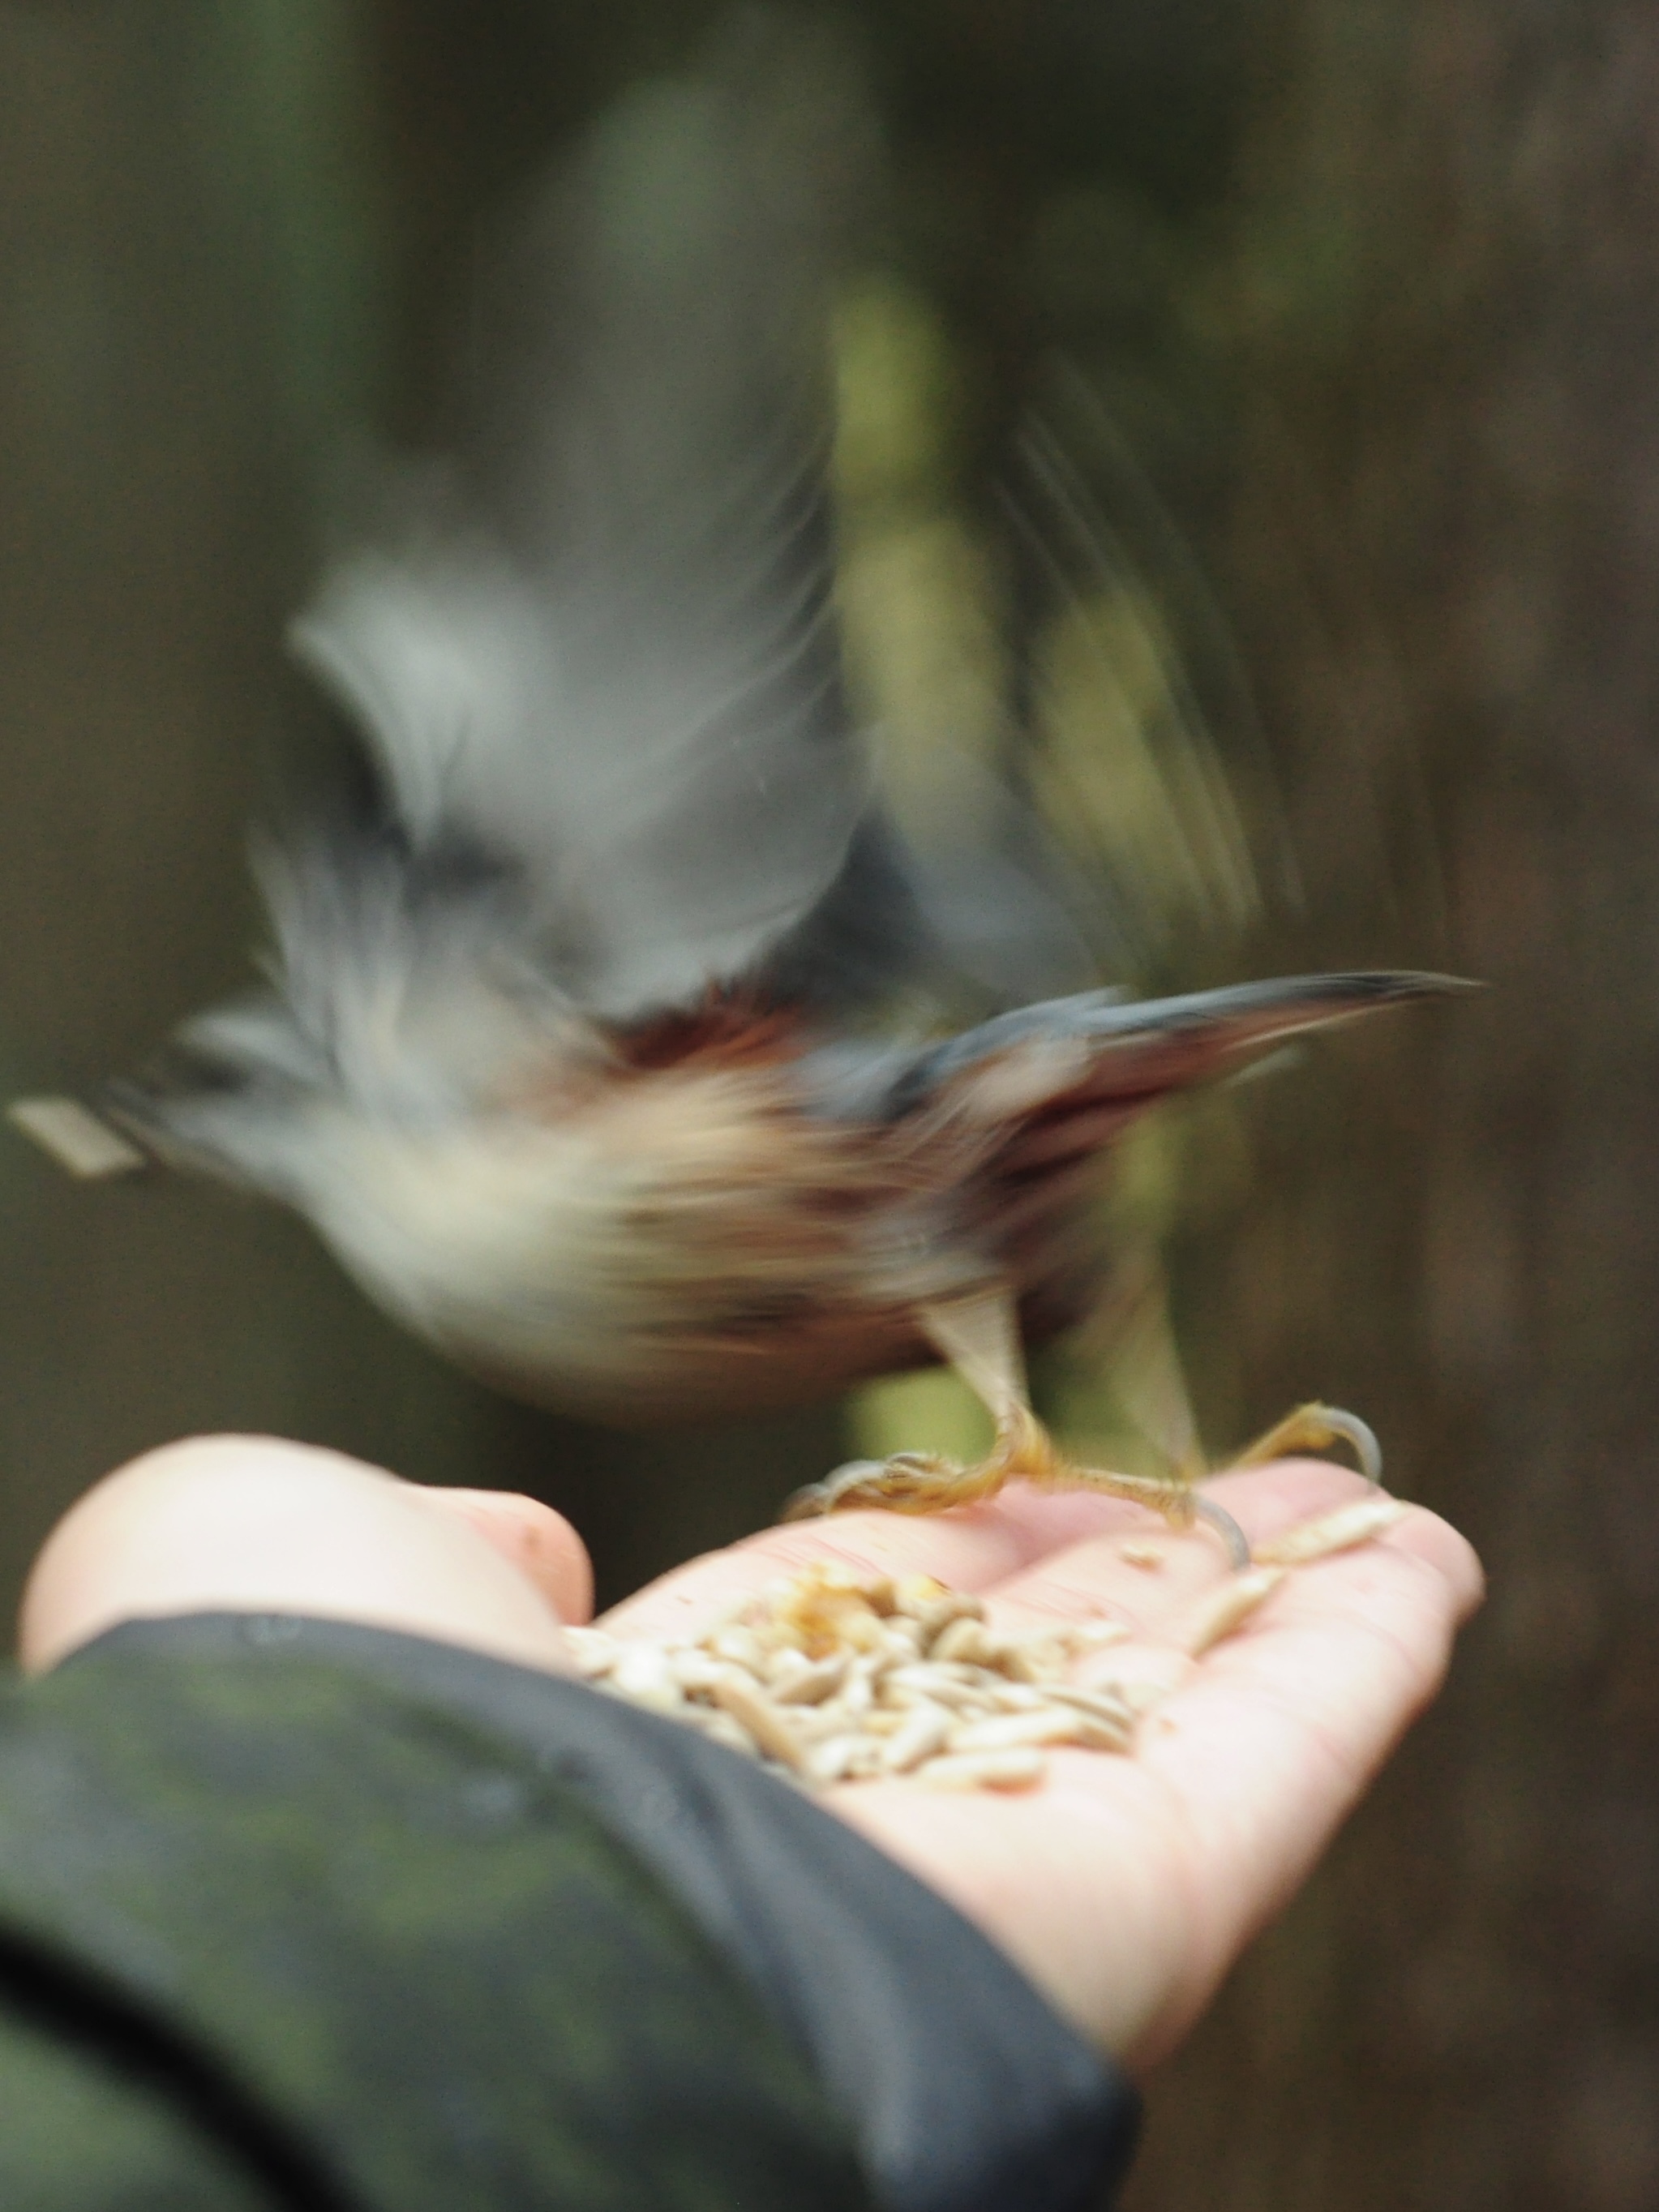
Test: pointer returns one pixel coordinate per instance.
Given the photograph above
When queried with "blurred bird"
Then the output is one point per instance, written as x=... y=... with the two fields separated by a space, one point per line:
x=577 y=1049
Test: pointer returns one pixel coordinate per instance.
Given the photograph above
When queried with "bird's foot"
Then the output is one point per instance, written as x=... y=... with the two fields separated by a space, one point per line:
x=922 y=1482
x=926 y=1482
x=1316 y=1428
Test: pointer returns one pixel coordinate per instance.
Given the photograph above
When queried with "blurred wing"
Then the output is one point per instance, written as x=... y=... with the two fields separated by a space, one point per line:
x=984 y=917
x=1063 y=735
x=597 y=647
x=1139 y=747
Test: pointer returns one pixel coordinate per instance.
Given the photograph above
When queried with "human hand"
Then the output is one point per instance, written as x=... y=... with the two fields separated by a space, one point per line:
x=1125 y=1886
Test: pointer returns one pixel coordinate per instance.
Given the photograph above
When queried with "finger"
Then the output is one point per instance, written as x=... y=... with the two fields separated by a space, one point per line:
x=1163 y=1594
x=540 y=1542
x=1267 y=1500
x=1149 y=1582
x=1276 y=1735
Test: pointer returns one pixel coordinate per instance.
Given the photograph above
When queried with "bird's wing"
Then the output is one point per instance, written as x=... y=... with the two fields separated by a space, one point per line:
x=1138 y=747
x=597 y=647
x=1064 y=740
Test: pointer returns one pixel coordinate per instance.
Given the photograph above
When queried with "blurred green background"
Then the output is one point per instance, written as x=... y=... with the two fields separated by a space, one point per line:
x=1369 y=296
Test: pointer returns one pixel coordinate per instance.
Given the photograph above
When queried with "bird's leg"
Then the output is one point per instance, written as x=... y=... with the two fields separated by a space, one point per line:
x=978 y=1337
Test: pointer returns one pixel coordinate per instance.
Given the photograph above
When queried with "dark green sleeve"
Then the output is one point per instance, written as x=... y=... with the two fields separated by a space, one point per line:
x=289 y=1935
x=80 y=2132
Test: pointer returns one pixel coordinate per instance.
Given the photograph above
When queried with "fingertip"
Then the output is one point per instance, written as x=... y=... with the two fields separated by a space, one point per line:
x=1449 y=1552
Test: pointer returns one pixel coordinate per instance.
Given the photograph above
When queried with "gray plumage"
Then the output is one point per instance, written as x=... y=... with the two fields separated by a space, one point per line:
x=595 y=649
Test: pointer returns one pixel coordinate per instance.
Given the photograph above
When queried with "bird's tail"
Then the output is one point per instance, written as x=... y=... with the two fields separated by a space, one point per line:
x=1099 y=1050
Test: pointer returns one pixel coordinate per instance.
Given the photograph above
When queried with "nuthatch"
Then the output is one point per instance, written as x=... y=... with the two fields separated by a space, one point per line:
x=572 y=1049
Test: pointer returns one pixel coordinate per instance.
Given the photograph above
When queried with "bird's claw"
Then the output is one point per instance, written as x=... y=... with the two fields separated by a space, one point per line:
x=816 y=1498
x=1217 y=1517
x=1316 y=1428
x=908 y=1482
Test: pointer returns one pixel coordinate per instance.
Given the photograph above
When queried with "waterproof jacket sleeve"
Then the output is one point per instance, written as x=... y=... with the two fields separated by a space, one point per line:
x=296 y=1912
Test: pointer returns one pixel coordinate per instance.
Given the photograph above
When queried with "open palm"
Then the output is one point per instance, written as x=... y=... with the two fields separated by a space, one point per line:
x=1127 y=1886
